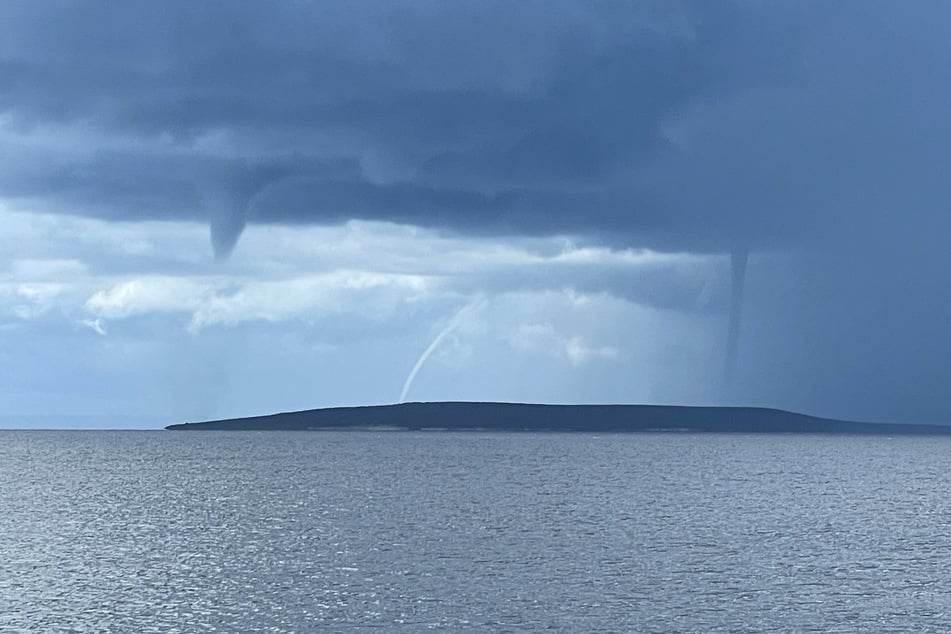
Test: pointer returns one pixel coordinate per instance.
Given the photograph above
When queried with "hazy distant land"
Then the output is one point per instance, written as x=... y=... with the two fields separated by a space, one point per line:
x=522 y=417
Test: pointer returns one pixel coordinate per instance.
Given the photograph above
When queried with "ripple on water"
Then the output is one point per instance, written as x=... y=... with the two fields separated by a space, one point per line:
x=288 y=532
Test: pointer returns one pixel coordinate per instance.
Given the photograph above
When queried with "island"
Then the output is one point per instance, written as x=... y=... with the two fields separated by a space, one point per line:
x=527 y=417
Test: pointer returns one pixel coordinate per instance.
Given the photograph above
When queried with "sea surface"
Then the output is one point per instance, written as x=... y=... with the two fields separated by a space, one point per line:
x=407 y=532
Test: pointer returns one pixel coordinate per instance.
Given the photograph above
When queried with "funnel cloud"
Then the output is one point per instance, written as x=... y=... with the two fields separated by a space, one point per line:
x=738 y=260
x=445 y=332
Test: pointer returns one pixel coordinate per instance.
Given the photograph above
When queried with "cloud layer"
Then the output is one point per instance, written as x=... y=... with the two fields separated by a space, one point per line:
x=688 y=125
x=494 y=117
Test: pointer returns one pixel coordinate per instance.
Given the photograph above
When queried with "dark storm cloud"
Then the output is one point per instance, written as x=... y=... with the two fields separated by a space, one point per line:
x=690 y=125
x=494 y=116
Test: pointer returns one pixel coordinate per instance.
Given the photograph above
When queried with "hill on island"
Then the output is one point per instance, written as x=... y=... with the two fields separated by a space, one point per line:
x=525 y=417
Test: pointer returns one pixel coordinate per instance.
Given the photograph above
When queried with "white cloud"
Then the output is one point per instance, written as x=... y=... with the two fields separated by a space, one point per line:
x=233 y=300
x=153 y=294
x=29 y=300
x=307 y=298
x=96 y=325
x=546 y=339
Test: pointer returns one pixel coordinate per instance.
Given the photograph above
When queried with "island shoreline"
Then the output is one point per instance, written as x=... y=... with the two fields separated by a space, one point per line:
x=475 y=417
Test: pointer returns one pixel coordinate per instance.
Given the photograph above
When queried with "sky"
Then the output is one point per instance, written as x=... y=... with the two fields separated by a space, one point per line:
x=221 y=209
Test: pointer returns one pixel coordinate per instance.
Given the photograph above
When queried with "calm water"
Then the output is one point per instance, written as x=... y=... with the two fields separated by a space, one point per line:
x=297 y=532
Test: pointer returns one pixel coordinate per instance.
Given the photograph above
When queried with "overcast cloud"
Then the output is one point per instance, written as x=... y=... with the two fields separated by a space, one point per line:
x=367 y=169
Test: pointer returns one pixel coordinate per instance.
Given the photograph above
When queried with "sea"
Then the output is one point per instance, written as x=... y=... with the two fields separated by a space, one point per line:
x=154 y=531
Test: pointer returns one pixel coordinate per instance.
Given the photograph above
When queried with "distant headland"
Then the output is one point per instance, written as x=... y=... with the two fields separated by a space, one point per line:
x=525 y=417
